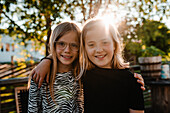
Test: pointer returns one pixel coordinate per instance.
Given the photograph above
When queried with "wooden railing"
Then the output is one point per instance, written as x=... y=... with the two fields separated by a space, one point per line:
x=8 y=94
x=11 y=77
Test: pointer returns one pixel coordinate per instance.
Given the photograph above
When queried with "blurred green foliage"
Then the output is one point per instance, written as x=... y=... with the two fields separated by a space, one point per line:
x=38 y=16
x=152 y=51
x=152 y=38
x=154 y=33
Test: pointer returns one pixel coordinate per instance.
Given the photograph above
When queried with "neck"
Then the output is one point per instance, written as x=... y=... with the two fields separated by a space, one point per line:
x=63 y=69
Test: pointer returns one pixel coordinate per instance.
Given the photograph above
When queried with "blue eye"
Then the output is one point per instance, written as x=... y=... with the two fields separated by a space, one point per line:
x=61 y=43
x=90 y=45
x=73 y=45
x=105 y=42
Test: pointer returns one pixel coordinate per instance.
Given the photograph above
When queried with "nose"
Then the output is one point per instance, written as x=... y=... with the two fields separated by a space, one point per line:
x=67 y=48
x=99 y=48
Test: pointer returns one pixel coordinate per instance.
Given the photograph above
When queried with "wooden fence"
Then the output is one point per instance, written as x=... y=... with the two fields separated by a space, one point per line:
x=7 y=86
x=11 y=77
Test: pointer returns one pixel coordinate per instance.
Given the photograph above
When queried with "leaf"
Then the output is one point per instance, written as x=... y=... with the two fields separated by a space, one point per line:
x=146 y=1
x=160 y=27
x=156 y=7
x=168 y=32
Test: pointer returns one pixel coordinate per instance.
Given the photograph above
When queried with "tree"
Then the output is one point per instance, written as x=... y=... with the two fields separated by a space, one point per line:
x=36 y=16
x=141 y=12
x=155 y=33
x=150 y=34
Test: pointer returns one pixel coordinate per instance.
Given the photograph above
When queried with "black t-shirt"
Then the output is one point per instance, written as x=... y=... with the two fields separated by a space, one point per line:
x=111 y=91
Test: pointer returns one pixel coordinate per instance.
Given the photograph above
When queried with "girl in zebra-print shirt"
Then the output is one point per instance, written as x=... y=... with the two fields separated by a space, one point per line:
x=63 y=94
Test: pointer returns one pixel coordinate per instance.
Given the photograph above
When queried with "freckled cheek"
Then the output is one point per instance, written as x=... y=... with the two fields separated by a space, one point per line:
x=112 y=50
x=58 y=51
x=109 y=49
x=76 y=54
x=89 y=51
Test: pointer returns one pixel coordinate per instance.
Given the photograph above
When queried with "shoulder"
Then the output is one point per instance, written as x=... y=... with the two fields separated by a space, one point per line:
x=109 y=71
x=125 y=74
x=124 y=71
x=35 y=85
x=32 y=82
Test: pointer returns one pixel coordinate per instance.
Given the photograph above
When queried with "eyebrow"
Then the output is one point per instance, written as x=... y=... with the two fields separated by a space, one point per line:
x=67 y=42
x=100 y=40
x=104 y=39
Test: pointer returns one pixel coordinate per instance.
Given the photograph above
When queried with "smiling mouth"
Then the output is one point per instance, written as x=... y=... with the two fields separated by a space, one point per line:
x=100 y=56
x=67 y=57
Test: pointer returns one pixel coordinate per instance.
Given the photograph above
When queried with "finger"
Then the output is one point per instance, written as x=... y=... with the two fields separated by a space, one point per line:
x=141 y=82
x=141 y=78
x=37 y=79
x=32 y=73
x=127 y=65
x=143 y=88
x=34 y=77
x=135 y=75
x=47 y=77
x=138 y=76
x=40 y=82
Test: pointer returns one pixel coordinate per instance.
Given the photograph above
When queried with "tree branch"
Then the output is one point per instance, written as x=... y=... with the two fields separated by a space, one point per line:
x=90 y=10
x=13 y=22
x=96 y=8
x=83 y=11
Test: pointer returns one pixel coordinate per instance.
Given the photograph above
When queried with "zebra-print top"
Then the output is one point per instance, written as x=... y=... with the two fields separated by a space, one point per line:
x=67 y=95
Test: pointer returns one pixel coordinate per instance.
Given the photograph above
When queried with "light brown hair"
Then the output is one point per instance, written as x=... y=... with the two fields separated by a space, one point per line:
x=58 y=32
x=117 y=60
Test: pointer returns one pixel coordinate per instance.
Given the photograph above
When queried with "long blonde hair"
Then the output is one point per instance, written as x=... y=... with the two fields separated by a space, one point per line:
x=117 y=60
x=57 y=33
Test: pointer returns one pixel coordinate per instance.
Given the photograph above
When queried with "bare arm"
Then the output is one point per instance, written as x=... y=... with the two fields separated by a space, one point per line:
x=136 y=111
x=41 y=71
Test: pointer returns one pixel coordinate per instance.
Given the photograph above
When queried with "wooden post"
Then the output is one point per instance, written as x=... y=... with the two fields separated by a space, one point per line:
x=160 y=92
x=12 y=65
x=12 y=60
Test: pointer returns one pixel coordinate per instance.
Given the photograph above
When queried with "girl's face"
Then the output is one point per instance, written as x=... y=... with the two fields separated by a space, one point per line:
x=99 y=47
x=67 y=49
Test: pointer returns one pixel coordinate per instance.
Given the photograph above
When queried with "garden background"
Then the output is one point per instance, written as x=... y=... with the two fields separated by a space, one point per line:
x=143 y=24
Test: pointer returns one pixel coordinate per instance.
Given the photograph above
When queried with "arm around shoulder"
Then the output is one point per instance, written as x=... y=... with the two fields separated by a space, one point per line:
x=41 y=70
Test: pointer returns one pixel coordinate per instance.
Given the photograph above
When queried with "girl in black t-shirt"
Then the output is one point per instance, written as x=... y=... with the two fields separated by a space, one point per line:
x=108 y=85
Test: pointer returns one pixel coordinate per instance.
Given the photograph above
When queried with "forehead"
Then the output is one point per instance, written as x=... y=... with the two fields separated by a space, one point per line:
x=97 y=33
x=69 y=37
